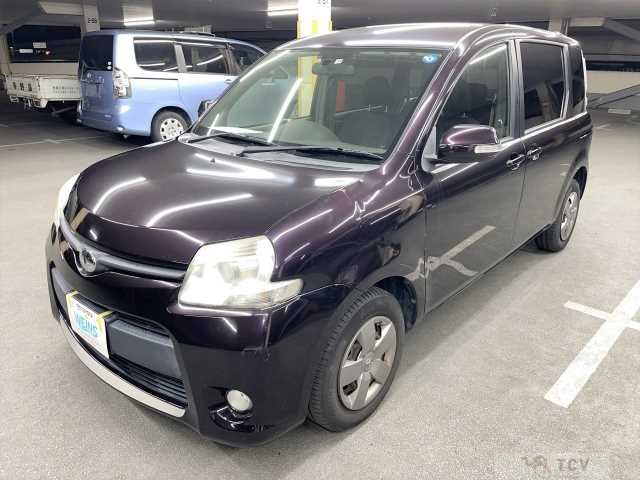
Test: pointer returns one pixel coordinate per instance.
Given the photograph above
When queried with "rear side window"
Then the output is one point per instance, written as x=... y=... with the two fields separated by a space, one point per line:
x=244 y=55
x=577 y=83
x=96 y=52
x=543 y=82
x=158 y=55
x=204 y=58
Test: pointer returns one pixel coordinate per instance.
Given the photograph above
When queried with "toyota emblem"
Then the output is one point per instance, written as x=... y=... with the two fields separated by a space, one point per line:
x=87 y=261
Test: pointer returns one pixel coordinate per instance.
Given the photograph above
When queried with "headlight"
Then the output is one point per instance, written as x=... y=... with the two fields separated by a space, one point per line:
x=63 y=198
x=235 y=274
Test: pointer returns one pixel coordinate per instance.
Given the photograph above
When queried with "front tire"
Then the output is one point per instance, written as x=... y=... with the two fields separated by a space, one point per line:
x=359 y=362
x=556 y=237
x=168 y=125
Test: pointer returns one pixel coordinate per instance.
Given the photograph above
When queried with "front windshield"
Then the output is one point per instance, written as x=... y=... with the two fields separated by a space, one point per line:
x=351 y=99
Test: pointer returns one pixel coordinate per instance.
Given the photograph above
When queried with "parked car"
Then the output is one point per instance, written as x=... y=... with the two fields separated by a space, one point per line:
x=151 y=83
x=264 y=267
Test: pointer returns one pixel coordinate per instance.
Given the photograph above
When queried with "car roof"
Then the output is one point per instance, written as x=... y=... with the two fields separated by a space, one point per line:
x=445 y=35
x=176 y=35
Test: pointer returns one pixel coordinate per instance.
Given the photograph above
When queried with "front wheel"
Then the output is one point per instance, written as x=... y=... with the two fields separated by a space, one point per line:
x=359 y=362
x=167 y=125
x=556 y=237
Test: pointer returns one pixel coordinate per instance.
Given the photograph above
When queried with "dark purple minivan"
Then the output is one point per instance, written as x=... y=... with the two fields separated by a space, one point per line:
x=264 y=267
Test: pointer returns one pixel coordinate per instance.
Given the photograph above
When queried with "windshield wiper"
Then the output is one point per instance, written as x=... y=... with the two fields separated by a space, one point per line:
x=232 y=136
x=311 y=148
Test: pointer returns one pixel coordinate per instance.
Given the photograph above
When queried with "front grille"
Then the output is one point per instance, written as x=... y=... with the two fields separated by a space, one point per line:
x=171 y=389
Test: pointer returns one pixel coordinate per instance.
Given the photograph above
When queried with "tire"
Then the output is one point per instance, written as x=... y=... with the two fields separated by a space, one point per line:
x=556 y=237
x=328 y=405
x=167 y=125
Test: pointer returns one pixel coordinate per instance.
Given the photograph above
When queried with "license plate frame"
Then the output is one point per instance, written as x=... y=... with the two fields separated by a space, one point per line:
x=88 y=324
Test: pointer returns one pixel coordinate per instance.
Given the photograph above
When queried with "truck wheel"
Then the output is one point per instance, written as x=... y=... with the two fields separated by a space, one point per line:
x=359 y=362
x=556 y=237
x=168 y=125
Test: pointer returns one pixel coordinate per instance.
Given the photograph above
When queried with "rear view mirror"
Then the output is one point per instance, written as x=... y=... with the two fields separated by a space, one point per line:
x=333 y=69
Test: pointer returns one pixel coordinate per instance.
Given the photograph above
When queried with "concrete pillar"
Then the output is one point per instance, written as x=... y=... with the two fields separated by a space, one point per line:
x=559 y=25
x=5 y=58
x=314 y=18
x=90 y=17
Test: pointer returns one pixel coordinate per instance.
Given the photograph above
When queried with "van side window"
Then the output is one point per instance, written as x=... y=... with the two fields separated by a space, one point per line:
x=543 y=82
x=577 y=88
x=203 y=58
x=156 y=55
x=244 y=56
x=481 y=95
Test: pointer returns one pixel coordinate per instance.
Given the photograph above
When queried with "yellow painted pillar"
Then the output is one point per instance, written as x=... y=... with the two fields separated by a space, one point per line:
x=314 y=18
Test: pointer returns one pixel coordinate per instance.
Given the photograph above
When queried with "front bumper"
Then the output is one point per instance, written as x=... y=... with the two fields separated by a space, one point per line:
x=269 y=354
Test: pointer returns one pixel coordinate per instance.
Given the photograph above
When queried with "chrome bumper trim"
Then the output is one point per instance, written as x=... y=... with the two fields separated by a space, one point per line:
x=116 y=381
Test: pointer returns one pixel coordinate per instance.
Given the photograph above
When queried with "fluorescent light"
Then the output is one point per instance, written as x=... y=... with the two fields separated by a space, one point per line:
x=282 y=11
x=57 y=8
x=136 y=23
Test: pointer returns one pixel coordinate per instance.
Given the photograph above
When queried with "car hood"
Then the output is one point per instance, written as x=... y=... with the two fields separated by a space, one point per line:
x=165 y=200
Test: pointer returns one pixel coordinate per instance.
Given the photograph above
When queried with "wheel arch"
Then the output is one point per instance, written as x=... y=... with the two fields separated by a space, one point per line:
x=172 y=108
x=581 y=177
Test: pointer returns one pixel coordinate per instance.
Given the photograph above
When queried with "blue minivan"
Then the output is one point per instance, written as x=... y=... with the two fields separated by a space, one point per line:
x=152 y=83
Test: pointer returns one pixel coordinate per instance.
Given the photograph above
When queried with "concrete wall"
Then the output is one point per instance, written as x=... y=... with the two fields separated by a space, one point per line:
x=601 y=81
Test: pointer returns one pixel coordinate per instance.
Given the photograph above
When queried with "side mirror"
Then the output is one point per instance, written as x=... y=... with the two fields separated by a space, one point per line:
x=466 y=139
x=205 y=105
x=459 y=144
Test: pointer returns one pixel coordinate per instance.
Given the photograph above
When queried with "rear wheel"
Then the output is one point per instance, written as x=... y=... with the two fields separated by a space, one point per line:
x=168 y=125
x=556 y=237
x=359 y=362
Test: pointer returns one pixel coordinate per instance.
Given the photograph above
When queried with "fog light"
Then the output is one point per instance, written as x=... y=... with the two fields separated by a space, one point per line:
x=239 y=401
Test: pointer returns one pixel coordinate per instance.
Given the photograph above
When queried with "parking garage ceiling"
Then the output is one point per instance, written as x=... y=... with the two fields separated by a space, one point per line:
x=252 y=14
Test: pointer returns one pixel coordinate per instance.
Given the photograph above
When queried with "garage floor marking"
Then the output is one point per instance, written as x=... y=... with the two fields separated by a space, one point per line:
x=585 y=364
x=51 y=140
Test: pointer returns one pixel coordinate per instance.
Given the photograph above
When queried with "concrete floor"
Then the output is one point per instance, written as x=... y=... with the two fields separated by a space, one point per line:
x=468 y=400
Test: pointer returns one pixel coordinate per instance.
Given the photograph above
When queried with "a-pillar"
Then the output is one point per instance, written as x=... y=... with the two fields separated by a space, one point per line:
x=314 y=18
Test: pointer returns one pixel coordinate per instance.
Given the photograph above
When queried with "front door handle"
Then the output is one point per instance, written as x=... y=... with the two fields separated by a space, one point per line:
x=534 y=153
x=228 y=80
x=515 y=161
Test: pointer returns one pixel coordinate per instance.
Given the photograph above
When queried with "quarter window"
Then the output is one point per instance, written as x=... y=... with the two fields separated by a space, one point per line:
x=577 y=88
x=155 y=55
x=481 y=95
x=543 y=82
x=203 y=58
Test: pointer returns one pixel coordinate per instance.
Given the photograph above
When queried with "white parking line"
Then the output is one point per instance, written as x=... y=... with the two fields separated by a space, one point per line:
x=51 y=140
x=585 y=364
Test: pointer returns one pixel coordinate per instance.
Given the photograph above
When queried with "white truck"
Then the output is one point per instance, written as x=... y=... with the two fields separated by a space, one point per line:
x=56 y=93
